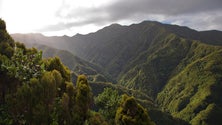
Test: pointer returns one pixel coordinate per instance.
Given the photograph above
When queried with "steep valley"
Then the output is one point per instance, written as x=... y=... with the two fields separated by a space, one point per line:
x=179 y=68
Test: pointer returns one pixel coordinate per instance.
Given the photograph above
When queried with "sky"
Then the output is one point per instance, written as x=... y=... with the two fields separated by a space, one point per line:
x=68 y=17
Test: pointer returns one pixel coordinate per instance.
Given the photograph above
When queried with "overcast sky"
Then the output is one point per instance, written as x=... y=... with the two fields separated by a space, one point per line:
x=68 y=17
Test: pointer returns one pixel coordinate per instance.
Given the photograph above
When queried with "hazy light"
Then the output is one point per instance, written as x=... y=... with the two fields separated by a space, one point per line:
x=68 y=17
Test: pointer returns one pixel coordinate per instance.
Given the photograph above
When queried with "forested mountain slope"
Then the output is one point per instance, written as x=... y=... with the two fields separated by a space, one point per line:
x=114 y=46
x=178 y=67
x=75 y=64
x=36 y=91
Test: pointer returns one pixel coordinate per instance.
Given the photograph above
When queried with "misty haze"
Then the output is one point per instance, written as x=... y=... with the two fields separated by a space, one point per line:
x=113 y=62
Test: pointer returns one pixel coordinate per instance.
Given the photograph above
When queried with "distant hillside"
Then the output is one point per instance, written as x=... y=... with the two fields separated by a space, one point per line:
x=76 y=64
x=114 y=46
x=194 y=93
x=177 y=66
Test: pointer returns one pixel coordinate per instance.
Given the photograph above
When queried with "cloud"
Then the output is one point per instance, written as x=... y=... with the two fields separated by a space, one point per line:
x=70 y=24
x=198 y=14
x=165 y=7
x=199 y=21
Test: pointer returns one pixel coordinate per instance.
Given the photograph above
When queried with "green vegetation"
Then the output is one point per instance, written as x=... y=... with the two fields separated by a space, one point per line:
x=108 y=101
x=24 y=64
x=131 y=113
x=173 y=71
x=36 y=91
x=75 y=64
x=190 y=93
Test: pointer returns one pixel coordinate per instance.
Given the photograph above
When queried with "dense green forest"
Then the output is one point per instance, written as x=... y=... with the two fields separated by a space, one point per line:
x=136 y=74
x=36 y=91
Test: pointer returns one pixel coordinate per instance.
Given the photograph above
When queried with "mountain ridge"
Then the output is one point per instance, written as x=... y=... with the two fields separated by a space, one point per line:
x=156 y=59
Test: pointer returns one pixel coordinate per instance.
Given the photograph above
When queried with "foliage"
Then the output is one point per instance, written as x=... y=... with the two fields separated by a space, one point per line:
x=164 y=118
x=6 y=49
x=150 y=71
x=131 y=113
x=108 y=102
x=5 y=117
x=56 y=64
x=83 y=98
x=33 y=101
x=74 y=63
x=36 y=91
x=24 y=66
x=209 y=116
x=2 y=25
x=148 y=59
x=6 y=42
x=96 y=119
x=189 y=94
